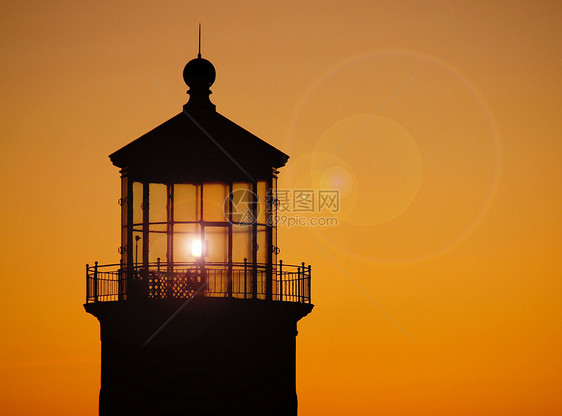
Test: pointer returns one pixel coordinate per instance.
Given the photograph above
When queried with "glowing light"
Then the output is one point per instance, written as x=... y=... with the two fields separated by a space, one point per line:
x=196 y=248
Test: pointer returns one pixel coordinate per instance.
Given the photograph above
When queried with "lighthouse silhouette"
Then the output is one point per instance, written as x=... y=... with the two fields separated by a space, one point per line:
x=199 y=317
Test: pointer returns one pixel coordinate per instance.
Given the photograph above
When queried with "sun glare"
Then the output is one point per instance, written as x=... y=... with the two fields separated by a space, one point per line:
x=196 y=248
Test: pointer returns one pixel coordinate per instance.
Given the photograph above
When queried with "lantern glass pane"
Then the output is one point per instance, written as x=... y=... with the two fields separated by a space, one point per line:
x=137 y=202
x=158 y=197
x=157 y=247
x=261 y=259
x=214 y=195
x=123 y=201
x=124 y=218
x=215 y=247
x=136 y=246
x=186 y=202
x=242 y=197
x=185 y=236
x=241 y=243
x=216 y=251
x=262 y=245
x=262 y=202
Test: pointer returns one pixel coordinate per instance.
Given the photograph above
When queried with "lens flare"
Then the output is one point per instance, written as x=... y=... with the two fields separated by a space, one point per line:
x=440 y=118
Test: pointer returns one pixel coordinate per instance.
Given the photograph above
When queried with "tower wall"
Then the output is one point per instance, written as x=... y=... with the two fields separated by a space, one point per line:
x=215 y=357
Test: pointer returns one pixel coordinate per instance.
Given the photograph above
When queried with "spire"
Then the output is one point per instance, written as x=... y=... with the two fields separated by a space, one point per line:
x=199 y=74
x=199 y=54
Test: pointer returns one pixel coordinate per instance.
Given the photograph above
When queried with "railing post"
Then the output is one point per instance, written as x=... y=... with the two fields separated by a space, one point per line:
x=229 y=274
x=87 y=283
x=295 y=289
x=157 y=279
x=297 y=284
x=281 y=280
x=245 y=277
x=301 y=284
x=204 y=277
x=120 y=289
x=96 y=281
x=309 y=279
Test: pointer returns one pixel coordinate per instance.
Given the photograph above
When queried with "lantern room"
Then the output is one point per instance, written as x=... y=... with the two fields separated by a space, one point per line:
x=198 y=211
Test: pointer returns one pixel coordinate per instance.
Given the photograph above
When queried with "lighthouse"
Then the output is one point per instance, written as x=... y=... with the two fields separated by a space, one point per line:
x=199 y=314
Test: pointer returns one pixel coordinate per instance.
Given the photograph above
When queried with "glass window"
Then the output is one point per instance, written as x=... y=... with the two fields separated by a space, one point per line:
x=262 y=245
x=214 y=195
x=124 y=217
x=242 y=198
x=136 y=246
x=157 y=247
x=158 y=197
x=262 y=202
x=123 y=201
x=187 y=243
x=272 y=222
x=186 y=202
x=124 y=245
x=241 y=243
x=216 y=244
x=216 y=251
x=197 y=229
x=137 y=202
x=261 y=260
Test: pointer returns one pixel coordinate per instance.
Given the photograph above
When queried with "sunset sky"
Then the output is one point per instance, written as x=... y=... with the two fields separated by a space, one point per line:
x=439 y=292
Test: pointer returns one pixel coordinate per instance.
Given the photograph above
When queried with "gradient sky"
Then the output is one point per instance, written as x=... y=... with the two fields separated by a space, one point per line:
x=451 y=201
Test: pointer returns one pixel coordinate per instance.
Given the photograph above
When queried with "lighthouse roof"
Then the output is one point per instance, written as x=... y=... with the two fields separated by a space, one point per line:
x=199 y=143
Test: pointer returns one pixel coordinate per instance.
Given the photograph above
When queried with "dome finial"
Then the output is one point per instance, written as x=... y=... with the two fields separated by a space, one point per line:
x=199 y=74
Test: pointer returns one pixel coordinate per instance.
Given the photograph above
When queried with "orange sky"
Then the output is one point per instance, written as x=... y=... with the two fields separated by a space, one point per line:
x=451 y=195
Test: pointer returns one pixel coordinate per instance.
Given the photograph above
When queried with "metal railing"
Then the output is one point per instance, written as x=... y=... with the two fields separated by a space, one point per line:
x=277 y=282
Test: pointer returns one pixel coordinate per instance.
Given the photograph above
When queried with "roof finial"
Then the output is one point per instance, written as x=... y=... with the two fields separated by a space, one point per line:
x=199 y=54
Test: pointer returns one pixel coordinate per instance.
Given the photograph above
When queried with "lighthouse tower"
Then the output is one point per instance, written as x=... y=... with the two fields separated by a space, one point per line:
x=199 y=316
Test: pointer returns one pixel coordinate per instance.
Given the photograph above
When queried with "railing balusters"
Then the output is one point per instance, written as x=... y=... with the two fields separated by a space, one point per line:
x=294 y=286
x=293 y=283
